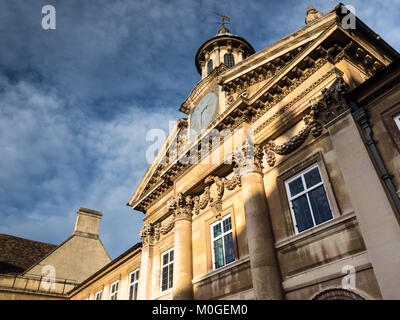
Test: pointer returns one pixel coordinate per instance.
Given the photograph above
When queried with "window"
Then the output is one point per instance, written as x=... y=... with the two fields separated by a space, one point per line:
x=209 y=67
x=229 y=60
x=167 y=269
x=222 y=242
x=397 y=120
x=307 y=199
x=133 y=284
x=98 y=295
x=114 y=290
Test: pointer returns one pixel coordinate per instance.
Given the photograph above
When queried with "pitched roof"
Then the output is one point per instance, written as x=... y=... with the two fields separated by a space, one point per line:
x=18 y=254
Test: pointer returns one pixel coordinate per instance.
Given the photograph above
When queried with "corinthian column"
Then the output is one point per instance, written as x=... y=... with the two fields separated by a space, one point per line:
x=263 y=262
x=183 y=268
x=146 y=233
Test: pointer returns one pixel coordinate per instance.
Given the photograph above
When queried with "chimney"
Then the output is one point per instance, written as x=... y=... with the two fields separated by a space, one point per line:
x=87 y=223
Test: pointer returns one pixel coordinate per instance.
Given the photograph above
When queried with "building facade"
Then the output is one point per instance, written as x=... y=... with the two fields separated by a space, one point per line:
x=283 y=180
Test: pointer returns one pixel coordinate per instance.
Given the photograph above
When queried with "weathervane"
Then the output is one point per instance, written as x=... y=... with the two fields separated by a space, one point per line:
x=225 y=19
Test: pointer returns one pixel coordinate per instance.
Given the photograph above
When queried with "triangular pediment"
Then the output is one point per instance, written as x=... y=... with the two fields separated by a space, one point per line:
x=270 y=75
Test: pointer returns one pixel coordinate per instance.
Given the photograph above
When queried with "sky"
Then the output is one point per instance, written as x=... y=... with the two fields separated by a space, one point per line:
x=77 y=102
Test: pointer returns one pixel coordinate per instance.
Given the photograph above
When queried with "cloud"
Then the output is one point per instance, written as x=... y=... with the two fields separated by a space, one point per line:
x=57 y=160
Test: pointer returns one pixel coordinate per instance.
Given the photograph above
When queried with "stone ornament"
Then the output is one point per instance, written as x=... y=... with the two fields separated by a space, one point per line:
x=213 y=193
x=248 y=157
x=333 y=101
x=312 y=14
x=311 y=125
x=181 y=206
x=151 y=232
x=328 y=108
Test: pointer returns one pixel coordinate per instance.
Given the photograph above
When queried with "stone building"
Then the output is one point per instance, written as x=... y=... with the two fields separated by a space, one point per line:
x=281 y=182
x=36 y=270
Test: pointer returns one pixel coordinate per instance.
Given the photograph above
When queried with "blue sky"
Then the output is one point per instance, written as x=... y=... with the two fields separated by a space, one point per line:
x=76 y=102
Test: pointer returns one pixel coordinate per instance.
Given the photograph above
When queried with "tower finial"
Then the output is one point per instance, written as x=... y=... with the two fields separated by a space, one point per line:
x=224 y=20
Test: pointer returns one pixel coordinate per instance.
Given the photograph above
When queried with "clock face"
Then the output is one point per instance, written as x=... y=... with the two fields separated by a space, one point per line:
x=204 y=112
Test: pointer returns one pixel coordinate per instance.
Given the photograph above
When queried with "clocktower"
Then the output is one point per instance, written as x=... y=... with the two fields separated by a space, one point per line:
x=206 y=101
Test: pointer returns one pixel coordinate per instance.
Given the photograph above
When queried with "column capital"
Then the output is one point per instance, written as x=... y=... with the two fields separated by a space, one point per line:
x=181 y=206
x=149 y=234
x=248 y=158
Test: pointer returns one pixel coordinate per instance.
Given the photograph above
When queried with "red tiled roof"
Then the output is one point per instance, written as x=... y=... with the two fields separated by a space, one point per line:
x=18 y=254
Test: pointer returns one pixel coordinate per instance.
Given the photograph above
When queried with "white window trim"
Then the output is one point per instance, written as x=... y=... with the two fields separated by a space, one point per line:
x=111 y=289
x=290 y=198
x=161 y=271
x=97 y=293
x=396 y=119
x=132 y=284
x=220 y=236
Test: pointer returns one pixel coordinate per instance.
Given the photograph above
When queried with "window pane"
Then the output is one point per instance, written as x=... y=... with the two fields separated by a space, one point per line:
x=217 y=230
x=164 y=281
x=320 y=205
x=210 y=66
x=312 y=177
x=229 y=60
x=171 y=255
x=170 y=275
x=135 y=291
x=229 y=252
x=302 y=213
x=397 y=120
x=165 y=259
x=218 y=253
x=227 y=224
x=296 y=186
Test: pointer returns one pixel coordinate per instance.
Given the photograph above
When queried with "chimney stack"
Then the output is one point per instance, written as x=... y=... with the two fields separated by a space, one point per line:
x=87 y=223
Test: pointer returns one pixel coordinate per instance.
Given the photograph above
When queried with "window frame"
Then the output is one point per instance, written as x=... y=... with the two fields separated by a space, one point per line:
x=396 y=119
x=226 y=55
x=97 y=293
x=389 y=116
x=112 y=294
x=133 y=284
x=167 y=265
x=210 y=69
x=221 y=236
x=306 y=191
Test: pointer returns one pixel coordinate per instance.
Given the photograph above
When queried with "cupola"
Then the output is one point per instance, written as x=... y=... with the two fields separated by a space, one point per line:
x=225 y=48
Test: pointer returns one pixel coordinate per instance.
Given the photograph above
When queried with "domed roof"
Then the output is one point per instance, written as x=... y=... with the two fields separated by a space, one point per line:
x=222 y=36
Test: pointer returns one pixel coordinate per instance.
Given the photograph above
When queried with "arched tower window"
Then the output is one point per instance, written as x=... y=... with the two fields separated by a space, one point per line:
x=229 y=60
x=210 y=66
